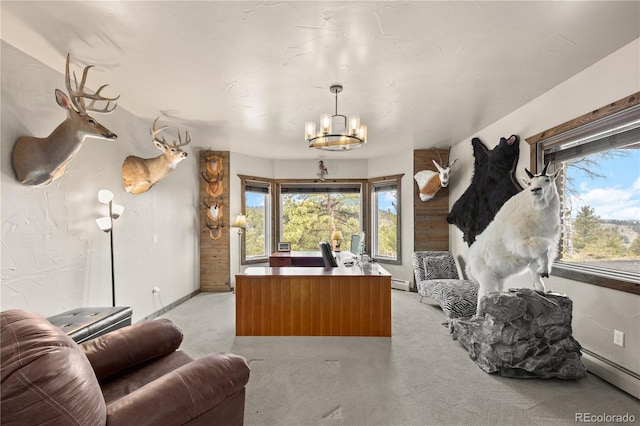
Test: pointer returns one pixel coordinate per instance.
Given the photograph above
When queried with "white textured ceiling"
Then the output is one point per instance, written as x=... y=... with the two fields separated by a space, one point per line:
x=245 y=76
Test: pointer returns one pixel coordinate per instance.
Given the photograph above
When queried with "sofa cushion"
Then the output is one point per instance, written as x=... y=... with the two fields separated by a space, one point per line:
x=128 y=347
x=45 y=376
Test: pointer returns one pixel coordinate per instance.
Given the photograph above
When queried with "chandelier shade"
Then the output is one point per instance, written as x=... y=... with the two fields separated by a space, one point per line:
x=336 y=132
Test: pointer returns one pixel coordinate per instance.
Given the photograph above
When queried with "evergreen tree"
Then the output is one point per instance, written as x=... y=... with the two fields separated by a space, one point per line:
x=586 y=228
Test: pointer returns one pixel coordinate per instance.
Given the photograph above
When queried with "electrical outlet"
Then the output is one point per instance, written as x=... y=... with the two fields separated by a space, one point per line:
x=618 y=338
x=155 y=290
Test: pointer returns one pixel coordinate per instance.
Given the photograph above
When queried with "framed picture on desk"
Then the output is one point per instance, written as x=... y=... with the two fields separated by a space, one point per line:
x=284 y=246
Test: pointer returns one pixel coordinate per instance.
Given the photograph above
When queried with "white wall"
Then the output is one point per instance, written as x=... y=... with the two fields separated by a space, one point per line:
x=54 y=257
x=597 y=310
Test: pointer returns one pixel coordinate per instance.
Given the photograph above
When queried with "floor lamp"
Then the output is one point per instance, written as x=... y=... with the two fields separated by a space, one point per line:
x=241 y=224
x=106 y=224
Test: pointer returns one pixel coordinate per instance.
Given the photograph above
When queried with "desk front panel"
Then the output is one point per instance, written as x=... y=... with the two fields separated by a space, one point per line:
x=276 y=305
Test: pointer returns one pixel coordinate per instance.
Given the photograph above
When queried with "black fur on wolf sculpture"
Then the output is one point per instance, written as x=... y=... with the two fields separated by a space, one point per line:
x=494 y=182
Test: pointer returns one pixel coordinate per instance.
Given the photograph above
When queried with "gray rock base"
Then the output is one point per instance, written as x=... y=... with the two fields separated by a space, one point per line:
x=522 y=333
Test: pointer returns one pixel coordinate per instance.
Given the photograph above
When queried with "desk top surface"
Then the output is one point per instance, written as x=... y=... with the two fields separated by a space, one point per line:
x=372 y=269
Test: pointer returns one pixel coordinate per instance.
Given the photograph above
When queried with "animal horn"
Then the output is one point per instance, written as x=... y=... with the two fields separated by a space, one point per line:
x=544 y=171
x=529 y=173
x=439 y=156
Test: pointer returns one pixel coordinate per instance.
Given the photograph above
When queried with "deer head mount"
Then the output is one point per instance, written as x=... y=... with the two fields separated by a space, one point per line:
x=430 y=182
x=40 y=161
x=140 y=174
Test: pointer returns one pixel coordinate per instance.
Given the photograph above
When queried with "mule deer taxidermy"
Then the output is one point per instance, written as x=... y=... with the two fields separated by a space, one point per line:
x=430 y=182
x=40 y=161
x=140 y=174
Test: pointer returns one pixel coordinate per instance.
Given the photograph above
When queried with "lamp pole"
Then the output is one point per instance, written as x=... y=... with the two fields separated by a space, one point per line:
x=113 y=276
x=106 y=224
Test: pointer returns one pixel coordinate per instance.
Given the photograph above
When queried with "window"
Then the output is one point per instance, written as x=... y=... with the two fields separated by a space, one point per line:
x=600 y=194
x=256 y=202
x=385 y=219
x=311 y=211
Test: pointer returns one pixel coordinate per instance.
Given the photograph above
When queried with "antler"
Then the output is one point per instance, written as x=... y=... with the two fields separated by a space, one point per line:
x=154 y=133
x=79 y=95
x=439 y=156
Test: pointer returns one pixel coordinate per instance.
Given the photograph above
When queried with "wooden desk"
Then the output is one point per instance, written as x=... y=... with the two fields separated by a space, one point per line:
x=295 y=301
x=296 y=258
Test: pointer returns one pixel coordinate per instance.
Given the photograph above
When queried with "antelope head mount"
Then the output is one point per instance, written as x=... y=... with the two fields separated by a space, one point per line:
x=40 y=161
x=430 y=182
x=140 y=174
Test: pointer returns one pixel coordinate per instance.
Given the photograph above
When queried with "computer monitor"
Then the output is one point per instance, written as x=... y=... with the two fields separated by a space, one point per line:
x=357 y=244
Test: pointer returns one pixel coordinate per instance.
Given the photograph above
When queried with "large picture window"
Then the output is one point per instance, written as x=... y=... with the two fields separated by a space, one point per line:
x=385 y=219
x=600 y=194
x=310 y=212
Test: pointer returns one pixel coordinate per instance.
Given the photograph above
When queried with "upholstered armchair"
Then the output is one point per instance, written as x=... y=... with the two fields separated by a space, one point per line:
x=132 y=376
x=436 y=276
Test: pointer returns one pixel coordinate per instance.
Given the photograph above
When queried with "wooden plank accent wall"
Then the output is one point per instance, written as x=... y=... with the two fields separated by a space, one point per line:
x=313 y=305
x=431 y=230
x=214 y=243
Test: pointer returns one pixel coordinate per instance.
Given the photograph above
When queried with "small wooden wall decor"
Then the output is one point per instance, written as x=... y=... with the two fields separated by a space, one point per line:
x=431 y=230
x=40 y=161
x=140 y=174
x=322 y=170
x=213 y=174
x=214 y=228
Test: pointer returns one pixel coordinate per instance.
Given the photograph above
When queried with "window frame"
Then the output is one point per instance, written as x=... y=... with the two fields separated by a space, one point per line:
x=381 y=182
x=536 y=143
x=268 y=227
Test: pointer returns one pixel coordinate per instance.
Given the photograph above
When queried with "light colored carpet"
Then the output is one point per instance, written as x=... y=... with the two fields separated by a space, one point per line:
x=420 y=376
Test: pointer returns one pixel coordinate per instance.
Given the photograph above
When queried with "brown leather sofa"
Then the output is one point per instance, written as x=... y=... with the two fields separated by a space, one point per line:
x=132 y=376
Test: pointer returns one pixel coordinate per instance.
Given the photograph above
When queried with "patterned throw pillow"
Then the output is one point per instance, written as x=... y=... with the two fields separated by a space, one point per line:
x=441 y=267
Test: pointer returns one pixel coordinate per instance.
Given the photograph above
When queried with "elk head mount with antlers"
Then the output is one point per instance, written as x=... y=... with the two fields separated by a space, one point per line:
x=40 y=161
x=430 y=182
x=140 y=174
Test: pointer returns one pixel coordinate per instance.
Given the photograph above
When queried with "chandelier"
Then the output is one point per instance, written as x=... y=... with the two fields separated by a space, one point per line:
x=350 y=135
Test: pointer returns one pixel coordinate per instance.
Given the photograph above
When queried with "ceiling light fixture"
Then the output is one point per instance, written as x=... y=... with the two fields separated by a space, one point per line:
x=352 y=135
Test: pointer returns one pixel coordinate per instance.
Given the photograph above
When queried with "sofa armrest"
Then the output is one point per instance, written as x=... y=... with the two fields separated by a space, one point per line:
x=129 y=346
x=184 y=394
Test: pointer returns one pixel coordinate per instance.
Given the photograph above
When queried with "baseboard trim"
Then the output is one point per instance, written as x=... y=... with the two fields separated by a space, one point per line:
x=611 y=372
x=167 y=308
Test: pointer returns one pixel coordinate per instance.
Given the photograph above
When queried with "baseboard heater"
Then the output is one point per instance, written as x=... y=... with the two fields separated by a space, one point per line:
x=400 y=284
x=613 y=373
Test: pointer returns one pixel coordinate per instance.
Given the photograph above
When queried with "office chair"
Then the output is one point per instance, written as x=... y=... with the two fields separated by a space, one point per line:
x=327 y=255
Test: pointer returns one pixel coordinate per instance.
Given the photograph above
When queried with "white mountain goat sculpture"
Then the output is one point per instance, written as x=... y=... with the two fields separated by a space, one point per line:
x=524 y=234
x=430 y=182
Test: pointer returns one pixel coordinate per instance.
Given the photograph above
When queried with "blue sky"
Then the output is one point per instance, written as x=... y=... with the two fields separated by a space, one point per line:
x=254 y=200
x=384 y=202
x=617 y=195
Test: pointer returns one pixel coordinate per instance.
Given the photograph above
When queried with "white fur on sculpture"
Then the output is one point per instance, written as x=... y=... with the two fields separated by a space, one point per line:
x=524 y=234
